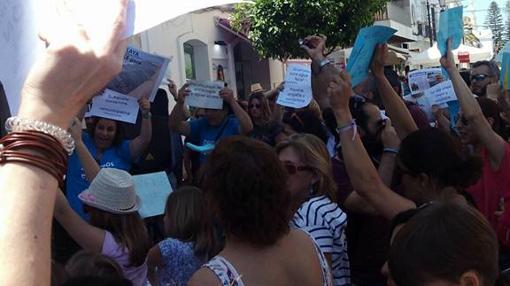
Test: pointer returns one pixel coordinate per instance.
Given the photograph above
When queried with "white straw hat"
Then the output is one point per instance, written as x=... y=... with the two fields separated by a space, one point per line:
x=113 y=191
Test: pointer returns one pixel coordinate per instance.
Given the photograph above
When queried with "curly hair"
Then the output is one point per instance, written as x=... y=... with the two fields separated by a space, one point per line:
x=246 y=185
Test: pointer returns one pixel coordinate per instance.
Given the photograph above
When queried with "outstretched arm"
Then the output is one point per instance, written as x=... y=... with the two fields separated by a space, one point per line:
x=394 y=105
x=140 y=143
x=362 y=173
x=472 y=112
x=76 y=65
x=244 y=119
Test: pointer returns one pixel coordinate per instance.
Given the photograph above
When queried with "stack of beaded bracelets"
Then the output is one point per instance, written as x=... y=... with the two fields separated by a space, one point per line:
x=37 y=144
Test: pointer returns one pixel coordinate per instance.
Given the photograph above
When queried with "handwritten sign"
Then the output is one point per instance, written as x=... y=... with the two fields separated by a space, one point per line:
x=298 y=87
x=153 y=190
x=362 y=52
x=421 y=80
x=451 y=25
x=205 y=94
x=441 y=93
x=115 y=106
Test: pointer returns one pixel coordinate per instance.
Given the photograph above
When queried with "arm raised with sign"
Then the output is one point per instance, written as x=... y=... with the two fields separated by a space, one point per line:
x=244 y=119
x=177 y=119
x=362 y=173
x=140 y=143
x=395 y=106
x=472 y=113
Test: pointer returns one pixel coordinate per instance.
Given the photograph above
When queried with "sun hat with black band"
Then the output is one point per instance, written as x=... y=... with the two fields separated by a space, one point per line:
x=113 y=191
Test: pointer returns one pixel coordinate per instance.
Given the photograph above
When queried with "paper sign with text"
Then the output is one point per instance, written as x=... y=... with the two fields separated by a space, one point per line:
x=298 y=87
x=115 y=106
x=441 y=93
x=141 y=74
x=421 y=80
x=153 y=190
x=205 y=94
x=362 y=52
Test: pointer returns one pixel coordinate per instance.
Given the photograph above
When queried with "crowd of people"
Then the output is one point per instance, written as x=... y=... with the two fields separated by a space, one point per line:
x=358 y=188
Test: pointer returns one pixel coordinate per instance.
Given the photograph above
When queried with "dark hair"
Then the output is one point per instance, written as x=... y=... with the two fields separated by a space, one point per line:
x=87 y=263
x=442 y=242
x=437 y=154
x=188 y=220
x=119 y=132
x=305 y=121
x=356 y=106
x=490 y=109
x=127 y=229
x=392 y=76
x=97 y=281
x=493 y=67
x=246 y=184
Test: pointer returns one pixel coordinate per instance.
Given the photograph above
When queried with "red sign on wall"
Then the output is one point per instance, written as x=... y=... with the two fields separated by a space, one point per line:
x=464 y=57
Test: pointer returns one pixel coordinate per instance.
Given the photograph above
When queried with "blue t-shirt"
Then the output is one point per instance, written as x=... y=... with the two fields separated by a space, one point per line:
x=179 y=262
x=117 y=156
x=202 y=133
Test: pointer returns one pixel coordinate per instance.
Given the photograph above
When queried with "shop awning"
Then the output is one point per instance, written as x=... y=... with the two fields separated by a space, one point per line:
x=225 y=25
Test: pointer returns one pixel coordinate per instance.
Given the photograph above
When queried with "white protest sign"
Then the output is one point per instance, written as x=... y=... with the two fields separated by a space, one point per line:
x=153 y=190
x=21 y=20
x=205 y=94
x=441 y=93
x=421 y=80
x=115 y=106
x=298 y=87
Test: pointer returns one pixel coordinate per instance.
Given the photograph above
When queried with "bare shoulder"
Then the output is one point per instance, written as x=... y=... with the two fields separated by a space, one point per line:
x=203 y=276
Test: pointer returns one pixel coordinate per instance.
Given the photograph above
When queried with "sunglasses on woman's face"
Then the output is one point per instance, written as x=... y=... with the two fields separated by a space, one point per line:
x=257 y=106
x=293 y=169
x=479 y=77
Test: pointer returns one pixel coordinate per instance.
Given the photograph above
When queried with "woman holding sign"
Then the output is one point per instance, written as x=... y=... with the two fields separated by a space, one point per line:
x=104 y=145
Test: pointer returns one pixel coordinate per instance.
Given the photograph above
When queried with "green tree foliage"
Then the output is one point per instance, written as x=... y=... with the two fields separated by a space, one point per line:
x=275 y=26
x=495 y=22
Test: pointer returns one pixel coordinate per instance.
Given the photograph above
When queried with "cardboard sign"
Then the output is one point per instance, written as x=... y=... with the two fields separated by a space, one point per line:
x=205 y=94
x=298 y=87
x=153 y=190
x=115 y=106
x=362 y=52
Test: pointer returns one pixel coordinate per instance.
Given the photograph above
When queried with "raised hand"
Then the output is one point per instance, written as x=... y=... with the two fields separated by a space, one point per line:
x=340 y=92
x=379 y=59
x=145 y=105
x=183 y=92
x=228 y=95
x=79 y=61
x=172 y=87
x=314 y=46
x=448 y=61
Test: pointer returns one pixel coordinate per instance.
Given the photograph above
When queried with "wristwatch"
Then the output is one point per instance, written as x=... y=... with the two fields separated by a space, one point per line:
x=324 y=63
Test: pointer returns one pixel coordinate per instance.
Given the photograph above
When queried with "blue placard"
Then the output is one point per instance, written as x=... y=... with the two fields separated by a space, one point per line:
x=451 y=25
x=362 y=52
x=153 y=190
x=505 y=74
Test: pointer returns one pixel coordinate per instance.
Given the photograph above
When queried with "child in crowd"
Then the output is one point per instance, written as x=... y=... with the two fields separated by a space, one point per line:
x=190 y=241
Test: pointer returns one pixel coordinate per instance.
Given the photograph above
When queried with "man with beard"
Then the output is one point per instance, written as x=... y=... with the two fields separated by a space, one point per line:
x=483 y=73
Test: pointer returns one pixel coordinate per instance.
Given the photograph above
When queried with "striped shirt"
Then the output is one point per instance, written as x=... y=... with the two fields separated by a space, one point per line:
x=326 y=223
